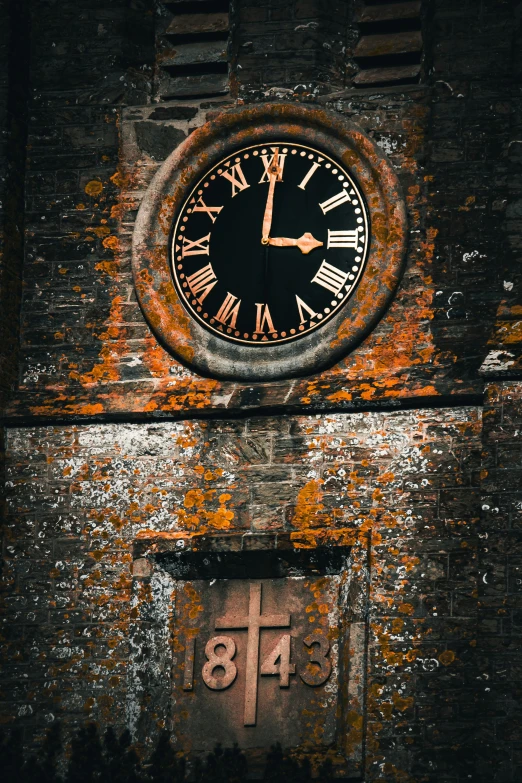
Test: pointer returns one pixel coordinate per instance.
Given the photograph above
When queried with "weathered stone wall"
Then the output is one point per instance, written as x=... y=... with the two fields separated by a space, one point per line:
x=293 y=47
x=499 y=585
x=81 y=496
x=455 y=311
x=436 y=487
x=13 y=138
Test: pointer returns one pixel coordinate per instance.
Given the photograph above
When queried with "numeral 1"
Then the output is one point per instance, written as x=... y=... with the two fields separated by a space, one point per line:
x=188 y=672
x=334 y=201
x=196 y=248
x=237 y=184
x=308 y=176
x=343 y=238
x=263 y=318
x=301 y=306
x=202 y=282
x=267 y=160
x=284 y=668
x=208 y=210
x=330 y=277
x=228 y=311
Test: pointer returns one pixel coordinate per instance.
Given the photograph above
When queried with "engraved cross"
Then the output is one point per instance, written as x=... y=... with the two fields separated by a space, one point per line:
x=253 y=622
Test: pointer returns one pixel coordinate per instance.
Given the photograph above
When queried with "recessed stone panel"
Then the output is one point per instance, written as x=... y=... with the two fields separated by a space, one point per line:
x=257 y=662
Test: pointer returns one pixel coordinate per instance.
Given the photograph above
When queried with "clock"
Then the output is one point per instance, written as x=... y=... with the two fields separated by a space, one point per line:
x=269 y=244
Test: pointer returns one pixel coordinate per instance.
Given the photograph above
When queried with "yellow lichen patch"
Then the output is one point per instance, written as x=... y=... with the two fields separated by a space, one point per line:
x=109 y=267
x=94 y=187
x=156 y=359
x=119 y=179
x=447 y=657
x=100 y=231
x=401 y=703
x=111 y=243
x=308 y=505
x=310 y=539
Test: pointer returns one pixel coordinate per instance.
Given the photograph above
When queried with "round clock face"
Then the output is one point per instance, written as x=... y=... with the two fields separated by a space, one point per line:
x=270 y=243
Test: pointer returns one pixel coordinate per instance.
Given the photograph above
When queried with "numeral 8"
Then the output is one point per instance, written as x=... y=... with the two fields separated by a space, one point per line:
x=223 y=661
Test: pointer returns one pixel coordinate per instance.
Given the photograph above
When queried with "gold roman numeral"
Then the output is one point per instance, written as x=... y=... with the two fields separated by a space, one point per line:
x=263 y=318
x=228 y=311
x=334 y=201
x=202 y=207
x=267 y=160
x=302 y=306
x=309 y=175
x=195 y=248
x=343 y=239
x=202 y=282
x=330 y=277
x=237 y=178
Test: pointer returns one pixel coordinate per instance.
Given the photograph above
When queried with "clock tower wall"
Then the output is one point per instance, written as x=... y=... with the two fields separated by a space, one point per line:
x=403 y=452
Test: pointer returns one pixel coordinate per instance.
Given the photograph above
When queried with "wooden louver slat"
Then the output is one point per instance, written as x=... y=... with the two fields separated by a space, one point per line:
x=198 y=24
x=205 y=52
x=388 y=75
x=381 y=45
x=385 y=13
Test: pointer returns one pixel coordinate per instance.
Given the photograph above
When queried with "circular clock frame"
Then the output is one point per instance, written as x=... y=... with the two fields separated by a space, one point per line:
x=206 y=352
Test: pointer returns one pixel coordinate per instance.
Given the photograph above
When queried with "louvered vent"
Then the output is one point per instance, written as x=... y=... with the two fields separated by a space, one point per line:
x=389 y=50
x=192 y=49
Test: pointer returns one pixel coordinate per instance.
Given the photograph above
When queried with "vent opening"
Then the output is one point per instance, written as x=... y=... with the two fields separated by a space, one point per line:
x=192 y=44
x=389 y=51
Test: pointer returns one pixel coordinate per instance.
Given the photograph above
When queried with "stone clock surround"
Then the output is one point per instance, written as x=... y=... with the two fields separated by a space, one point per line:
x=182 y=335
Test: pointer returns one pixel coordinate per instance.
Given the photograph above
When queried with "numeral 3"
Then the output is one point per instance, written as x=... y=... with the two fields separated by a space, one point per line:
x=310 y=675
x=343 y=239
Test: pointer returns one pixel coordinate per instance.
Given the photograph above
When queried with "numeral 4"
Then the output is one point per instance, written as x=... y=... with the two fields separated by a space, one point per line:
x=330 y=277
x=343 y=238
x=228 y=311
x=202 y=207
x=334 y=201
x=267 y=160
x=263 y=318
x=202 y=282
x=237 y=178
x=278 y=662
x=195 y=248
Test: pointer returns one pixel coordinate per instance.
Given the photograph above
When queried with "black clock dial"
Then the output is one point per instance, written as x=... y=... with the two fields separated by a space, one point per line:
x=270 y=243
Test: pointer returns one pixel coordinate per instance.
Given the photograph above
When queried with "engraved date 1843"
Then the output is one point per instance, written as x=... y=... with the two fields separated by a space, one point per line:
x=220 y=671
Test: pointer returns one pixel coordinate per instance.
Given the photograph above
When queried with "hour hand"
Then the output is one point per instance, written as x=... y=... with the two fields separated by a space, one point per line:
x=306 y=243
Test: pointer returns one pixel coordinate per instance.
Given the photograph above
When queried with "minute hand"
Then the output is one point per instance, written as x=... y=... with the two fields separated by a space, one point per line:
x=274 y=172
x=306 y=243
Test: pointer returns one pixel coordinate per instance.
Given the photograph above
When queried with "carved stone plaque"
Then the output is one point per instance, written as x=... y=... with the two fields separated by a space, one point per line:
x=257 y=661
x=256 y=640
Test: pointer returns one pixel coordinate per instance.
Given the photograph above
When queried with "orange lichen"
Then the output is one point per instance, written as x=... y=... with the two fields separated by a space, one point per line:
x=308 y=505
x=447 y=657
x=94 y=187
